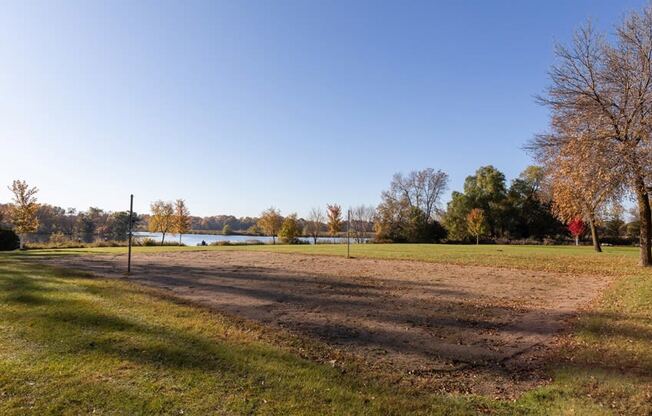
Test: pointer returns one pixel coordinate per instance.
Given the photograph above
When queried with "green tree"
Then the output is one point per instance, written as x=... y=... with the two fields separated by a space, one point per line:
x=455 y=217
x=119 y=225
x=486 y=190
x=527 y=210
x=226 y=230
x=84 y=227
x=290 y=230
x=614 y=223
x=420 y=229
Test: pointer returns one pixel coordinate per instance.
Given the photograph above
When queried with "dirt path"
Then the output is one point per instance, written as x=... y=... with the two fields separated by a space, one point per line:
x=474 y=329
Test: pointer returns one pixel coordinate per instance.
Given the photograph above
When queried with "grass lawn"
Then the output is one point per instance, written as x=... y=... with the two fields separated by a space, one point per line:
x=71 y=344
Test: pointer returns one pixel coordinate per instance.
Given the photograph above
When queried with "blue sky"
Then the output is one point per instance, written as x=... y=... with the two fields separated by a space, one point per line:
x=236 y=106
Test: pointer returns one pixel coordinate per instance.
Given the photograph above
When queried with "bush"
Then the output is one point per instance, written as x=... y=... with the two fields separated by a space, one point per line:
x=9 y=240
x=147 y=242
x=73 y=244
x=150 y=242
x=237 y=243
x=58 y=238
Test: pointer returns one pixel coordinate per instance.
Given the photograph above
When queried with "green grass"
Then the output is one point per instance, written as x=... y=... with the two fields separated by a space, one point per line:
x=71 y=344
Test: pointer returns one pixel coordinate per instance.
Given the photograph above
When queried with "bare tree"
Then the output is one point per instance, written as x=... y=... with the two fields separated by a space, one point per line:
x=314 y=224
x=611 y=85
x=421 y=189
x=362 y=220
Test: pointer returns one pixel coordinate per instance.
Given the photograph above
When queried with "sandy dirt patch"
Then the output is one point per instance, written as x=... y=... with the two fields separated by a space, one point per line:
x=446 y=327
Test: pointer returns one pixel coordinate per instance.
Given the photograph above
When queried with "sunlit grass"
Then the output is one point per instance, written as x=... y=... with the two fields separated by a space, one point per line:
x=76 y=345
x=72 y=344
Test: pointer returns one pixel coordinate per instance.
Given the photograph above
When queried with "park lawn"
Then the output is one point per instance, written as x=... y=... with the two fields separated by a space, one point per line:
x=72 y=344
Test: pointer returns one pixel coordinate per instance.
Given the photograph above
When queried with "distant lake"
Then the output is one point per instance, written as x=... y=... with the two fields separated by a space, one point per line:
x=196 y=239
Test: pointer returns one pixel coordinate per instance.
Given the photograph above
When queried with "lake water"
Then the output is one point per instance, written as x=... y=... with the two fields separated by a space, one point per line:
x=196 y=239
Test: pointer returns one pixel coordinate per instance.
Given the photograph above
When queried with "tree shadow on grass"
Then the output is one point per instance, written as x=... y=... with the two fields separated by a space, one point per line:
x=159 y=345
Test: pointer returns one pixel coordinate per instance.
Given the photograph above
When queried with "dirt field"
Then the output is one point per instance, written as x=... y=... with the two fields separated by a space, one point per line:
x=454 y=328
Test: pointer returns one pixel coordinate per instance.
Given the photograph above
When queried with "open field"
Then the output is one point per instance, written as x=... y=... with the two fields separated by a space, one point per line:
x=325 y=334
x=464 y=329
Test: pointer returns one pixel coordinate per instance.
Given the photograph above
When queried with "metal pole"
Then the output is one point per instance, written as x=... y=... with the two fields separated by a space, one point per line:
x=131 y=223
x=348 y=235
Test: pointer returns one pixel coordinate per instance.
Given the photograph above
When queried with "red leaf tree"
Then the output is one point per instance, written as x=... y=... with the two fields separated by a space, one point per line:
x=577 y=228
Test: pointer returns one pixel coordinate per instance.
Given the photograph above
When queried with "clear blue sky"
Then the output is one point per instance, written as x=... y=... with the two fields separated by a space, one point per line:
x=236 y=106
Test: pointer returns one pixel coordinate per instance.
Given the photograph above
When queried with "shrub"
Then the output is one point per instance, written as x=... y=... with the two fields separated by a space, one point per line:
x=58 y=238
x=150 y=242
x=147 y=242
x=73 y=244
x=9 y=240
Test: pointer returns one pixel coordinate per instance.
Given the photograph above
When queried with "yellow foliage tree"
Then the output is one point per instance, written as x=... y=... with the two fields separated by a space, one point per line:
x=584 y=178
x=161 y=219
x=23 y=210
x=182 y=220
x=476 y=224
x=270 y=222
x=334 y=213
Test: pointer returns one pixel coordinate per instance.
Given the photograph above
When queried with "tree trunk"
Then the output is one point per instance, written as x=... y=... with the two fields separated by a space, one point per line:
x=577 y=240
x=162 y=238
x=22 y=241
x=180 y=238
x=594 y=236
x=477 y=240
x=314 y=238
x=643 y=200
x=274 y=239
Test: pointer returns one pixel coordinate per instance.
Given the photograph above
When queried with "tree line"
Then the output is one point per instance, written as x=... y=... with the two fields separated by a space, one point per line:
x=45 y=222
x=530 y=208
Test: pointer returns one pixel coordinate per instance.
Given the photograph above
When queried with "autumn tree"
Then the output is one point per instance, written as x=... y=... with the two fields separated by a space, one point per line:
x=609 y=84
x=362 y=219
x=162 y=218
x=476 y=224
x=182 y=220
x=290 y=230
x=334 y=213
x=23 y=210
x=576 y=227
x=314 y=223
x=270 y=222
x=585 y=178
